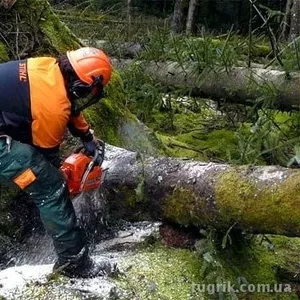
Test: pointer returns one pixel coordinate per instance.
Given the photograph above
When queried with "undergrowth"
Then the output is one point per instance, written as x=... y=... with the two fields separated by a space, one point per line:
x=220 y=132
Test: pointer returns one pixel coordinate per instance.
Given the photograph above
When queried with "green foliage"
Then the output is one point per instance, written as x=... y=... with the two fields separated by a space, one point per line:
x=159 y=272
x=269 y=140
x=3 y=53
x=205 y=51
x=213 y=271
x=258 y=136
x=143 y=93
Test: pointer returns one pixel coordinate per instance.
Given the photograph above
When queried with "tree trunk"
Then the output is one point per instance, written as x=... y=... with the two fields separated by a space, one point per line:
x=31 y=28
x=178 y=16
x=257 y=199
x=6 y=4
x=235 y=85
x=190 y=23
x=295 y=20
x=286 y=19
x=128 y=17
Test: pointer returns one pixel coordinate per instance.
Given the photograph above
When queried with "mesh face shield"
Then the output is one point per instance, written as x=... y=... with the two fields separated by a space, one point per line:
x=85 y=95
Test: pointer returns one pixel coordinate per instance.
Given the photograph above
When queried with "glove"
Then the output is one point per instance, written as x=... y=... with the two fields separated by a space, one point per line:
x=89 y=142
x=91 y=147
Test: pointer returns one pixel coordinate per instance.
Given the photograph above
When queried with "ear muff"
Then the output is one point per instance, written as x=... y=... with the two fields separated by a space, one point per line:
x=80 y=89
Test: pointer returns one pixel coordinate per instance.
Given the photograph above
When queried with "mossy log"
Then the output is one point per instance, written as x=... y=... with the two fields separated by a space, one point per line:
x=255 y=86
x=133 y=49
x=262 y=199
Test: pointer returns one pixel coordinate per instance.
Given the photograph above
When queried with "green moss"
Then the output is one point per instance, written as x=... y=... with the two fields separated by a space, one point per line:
x=158 y=272
x=173 y=147
x=3 y=53
x=107 y=116
x=266 y=207
x=130 y=197
x=184 y=207
x=252 y=263
x=58 y=33
x=128 y=205
x=217 y=144
x=198 y=135
x=114 y=123
x=40 y=17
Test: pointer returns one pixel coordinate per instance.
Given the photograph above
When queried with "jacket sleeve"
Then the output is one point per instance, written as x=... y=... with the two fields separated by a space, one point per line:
x=79 y=127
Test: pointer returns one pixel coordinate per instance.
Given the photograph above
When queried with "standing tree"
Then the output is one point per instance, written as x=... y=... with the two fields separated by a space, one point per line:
x=191 y=16
x=6 y=4
x=179 y=16
x=286 y=19
x=177 y=25
x=295 y=20
x=128 y=17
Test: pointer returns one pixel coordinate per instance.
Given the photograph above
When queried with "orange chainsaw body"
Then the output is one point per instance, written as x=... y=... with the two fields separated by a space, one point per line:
x=74 y=168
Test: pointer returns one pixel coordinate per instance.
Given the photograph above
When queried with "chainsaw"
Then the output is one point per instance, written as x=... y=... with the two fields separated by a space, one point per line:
x=84 y=173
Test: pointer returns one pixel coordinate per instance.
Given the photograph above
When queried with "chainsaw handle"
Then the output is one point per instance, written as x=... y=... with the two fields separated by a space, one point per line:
x=99 y=153
x=97 y=160
x=98 y=157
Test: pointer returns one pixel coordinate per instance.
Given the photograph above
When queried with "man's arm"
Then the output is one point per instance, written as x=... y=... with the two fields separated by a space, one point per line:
x=79 y=127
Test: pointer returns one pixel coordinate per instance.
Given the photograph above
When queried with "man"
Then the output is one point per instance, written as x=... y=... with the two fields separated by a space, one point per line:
x=39 y=98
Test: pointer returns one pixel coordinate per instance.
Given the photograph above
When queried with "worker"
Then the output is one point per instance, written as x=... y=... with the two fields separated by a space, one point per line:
x=39 y=99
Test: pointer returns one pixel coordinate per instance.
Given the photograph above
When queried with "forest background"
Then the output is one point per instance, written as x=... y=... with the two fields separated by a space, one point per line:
x=255 y=43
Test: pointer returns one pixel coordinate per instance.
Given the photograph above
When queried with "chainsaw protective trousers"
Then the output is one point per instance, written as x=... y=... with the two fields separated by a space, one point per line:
x=23 y=165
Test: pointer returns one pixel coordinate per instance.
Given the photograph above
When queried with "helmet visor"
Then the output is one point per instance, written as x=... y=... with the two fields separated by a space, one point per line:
x=89 y=99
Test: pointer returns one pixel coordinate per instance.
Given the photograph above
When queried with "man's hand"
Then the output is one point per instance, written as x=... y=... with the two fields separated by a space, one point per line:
x=91 y=146
x=89 y=142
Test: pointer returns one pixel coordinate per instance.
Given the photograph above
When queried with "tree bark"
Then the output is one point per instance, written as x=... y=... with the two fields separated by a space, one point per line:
x=6 y=4
x=128 y=17
x=235 y=85
x=178 y=16
x=190 y=23
x=286 y=19
x=295 y=20
x=262 y=199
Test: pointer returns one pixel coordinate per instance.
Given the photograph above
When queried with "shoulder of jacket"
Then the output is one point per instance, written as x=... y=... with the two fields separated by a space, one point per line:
x=41 y=63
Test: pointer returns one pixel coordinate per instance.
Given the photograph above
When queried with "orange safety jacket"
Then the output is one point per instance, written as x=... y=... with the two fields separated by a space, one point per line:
x=34 y=106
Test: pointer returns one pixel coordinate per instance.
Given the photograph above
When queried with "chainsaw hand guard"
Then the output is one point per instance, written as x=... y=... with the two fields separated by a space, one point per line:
x=101 y=152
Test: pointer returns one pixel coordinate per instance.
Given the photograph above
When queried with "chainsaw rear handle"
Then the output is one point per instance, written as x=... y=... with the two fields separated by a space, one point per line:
x=98 y=157
x=100 y=152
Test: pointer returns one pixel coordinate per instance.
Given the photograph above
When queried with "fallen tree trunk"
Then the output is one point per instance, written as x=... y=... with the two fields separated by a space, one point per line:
x=255 y=86
x=263 y=199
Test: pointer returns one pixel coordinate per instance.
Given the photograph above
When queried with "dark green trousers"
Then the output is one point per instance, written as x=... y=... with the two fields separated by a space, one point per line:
x=26 y=167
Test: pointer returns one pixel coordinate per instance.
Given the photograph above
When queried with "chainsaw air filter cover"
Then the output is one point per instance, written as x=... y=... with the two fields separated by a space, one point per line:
x=74 y=168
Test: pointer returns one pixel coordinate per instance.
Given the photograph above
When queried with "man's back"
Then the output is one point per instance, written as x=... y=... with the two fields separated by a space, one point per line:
x=33 y=102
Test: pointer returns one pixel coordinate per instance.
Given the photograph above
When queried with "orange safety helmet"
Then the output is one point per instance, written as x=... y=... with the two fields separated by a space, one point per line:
x=90 y=63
